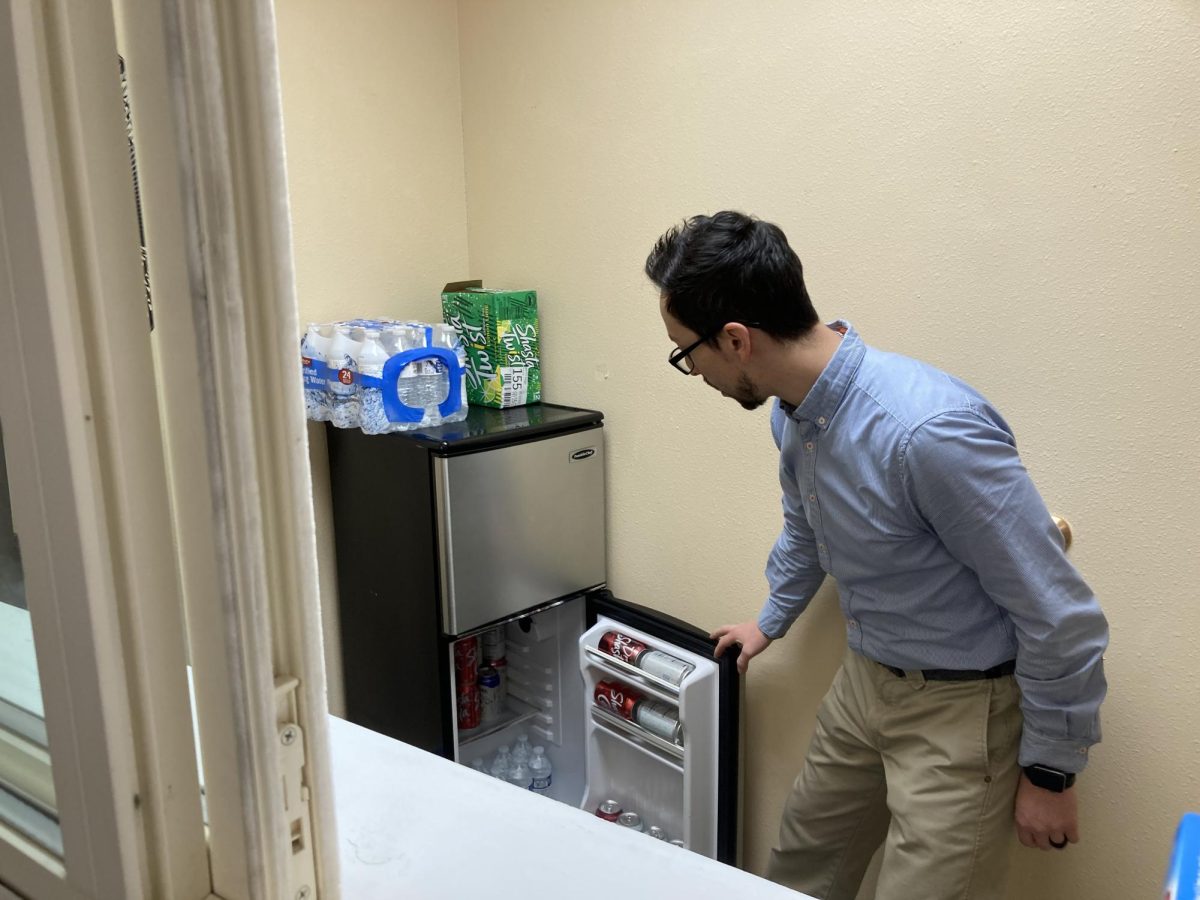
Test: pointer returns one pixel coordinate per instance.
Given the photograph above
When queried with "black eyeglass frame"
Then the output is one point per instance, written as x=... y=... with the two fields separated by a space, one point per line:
x=682 y=360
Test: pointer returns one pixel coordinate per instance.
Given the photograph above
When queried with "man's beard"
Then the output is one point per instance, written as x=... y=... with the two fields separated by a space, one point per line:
x=747 y=393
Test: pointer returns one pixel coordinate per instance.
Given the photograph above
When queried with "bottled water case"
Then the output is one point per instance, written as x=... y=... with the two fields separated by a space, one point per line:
x=383 y=375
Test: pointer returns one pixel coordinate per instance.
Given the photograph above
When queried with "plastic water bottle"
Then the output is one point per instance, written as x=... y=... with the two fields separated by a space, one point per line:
x=446 y=337
x=397 y=339
x=519 y=776
x=520 y=751
x=371 y=360
x=501 y=764
x=314 y=354
x=343 y=378
x=431 y=382
x=540 y=772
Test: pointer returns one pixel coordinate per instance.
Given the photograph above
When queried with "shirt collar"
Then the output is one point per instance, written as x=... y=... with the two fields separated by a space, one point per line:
x=826 y=395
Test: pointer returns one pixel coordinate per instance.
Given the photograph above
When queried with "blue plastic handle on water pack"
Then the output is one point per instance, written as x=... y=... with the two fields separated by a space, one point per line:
x=388 y=383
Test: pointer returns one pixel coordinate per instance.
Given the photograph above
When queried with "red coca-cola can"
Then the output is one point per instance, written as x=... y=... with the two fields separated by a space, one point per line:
x=617 y=698
x=609 y=810
x=470 y=706
x=622 y=646
x=466 y=661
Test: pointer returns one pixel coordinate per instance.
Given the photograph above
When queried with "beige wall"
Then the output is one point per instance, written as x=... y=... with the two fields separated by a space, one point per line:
x=1010 y=191
x=373 y=122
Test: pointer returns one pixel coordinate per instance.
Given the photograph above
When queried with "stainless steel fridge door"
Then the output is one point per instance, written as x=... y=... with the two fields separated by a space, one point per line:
x=518 y=526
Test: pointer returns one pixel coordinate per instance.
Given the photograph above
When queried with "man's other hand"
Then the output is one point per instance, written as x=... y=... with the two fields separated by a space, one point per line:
x=1044 y=818
x=748 y=635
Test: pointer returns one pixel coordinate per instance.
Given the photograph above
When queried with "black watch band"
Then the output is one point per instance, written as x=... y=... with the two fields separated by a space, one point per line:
x=1048 y=778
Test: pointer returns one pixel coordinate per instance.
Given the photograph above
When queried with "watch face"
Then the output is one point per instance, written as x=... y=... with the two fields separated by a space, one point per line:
x=1050 y=779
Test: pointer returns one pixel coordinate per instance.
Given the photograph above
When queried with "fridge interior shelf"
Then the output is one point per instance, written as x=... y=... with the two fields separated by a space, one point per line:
x=515 y=712
x=638 y=737
x=659 y=686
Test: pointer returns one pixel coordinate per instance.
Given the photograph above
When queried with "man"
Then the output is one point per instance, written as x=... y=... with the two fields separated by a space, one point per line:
x=970 y=691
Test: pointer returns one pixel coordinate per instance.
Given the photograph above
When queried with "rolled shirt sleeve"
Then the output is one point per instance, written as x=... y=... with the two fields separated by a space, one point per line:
x=794 y=572
x=966 y=480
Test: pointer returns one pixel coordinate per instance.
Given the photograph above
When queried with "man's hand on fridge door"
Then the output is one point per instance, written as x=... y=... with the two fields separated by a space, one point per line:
x=747 y=635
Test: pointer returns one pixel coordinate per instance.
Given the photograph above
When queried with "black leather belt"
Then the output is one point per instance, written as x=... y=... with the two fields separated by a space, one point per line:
x=1005 y=668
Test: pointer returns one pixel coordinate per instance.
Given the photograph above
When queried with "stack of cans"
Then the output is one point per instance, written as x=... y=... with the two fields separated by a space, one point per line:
x=610 y=811
x=466 y=681
x=480 y=670
x=493 y=675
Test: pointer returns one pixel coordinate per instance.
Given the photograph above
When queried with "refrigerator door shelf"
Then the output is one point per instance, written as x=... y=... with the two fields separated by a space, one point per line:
x=629 y=672
x=642 y=739
x=656 y=790
x=698 y=688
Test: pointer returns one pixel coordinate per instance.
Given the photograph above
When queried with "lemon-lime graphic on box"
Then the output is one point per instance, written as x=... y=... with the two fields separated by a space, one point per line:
x=499 y=329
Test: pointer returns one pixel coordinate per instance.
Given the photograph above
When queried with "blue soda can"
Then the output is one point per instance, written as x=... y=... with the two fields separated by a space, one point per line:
x=492 y=694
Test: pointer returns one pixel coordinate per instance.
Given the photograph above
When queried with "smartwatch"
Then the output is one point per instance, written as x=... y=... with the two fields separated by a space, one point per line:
x=1049 y=779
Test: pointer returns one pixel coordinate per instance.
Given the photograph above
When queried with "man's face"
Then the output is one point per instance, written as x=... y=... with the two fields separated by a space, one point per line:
x=718 y=365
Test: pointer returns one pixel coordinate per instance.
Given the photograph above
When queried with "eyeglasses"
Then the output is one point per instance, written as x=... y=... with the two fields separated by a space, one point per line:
x=682 y=359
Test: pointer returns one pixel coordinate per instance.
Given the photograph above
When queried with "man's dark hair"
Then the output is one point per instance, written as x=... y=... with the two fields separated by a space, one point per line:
x=730 y=267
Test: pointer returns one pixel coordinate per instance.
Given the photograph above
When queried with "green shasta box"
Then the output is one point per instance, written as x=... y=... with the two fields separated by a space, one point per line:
x=499 y=330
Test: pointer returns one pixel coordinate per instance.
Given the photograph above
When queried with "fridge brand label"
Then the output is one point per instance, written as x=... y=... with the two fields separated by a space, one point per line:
x=586 y=453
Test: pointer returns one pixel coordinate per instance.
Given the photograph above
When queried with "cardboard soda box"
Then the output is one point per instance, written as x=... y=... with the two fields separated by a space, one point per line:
x=499 y=330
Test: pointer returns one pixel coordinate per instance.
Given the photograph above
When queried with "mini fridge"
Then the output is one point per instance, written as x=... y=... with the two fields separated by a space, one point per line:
x=497 y=522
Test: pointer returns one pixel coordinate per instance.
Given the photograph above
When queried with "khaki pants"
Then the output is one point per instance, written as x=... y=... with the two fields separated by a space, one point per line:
x=930 y=766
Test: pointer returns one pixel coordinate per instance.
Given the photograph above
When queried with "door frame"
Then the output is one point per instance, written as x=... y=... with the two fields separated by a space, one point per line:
x=90 y=502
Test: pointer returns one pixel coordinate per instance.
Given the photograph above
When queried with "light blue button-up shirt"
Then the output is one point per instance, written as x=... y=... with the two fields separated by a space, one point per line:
x=905 y=485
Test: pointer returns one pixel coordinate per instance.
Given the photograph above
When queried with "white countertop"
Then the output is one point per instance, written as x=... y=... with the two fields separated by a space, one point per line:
x=414 y=825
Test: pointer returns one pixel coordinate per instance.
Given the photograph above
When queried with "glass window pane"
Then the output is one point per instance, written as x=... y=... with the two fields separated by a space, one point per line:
x=26 y=789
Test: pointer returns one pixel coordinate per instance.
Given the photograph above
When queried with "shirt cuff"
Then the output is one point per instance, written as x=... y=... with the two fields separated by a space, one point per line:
x=1063 y=754
x=772 y=623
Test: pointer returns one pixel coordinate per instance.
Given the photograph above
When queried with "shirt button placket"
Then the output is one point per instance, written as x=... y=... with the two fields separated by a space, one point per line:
x=809 y=467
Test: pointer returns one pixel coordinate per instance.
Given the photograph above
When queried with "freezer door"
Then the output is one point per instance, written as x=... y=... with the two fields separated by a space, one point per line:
x=689 y=781
x=519 y=526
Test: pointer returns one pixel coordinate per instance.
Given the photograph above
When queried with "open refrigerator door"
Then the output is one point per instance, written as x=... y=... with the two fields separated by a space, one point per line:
x=652 y=732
